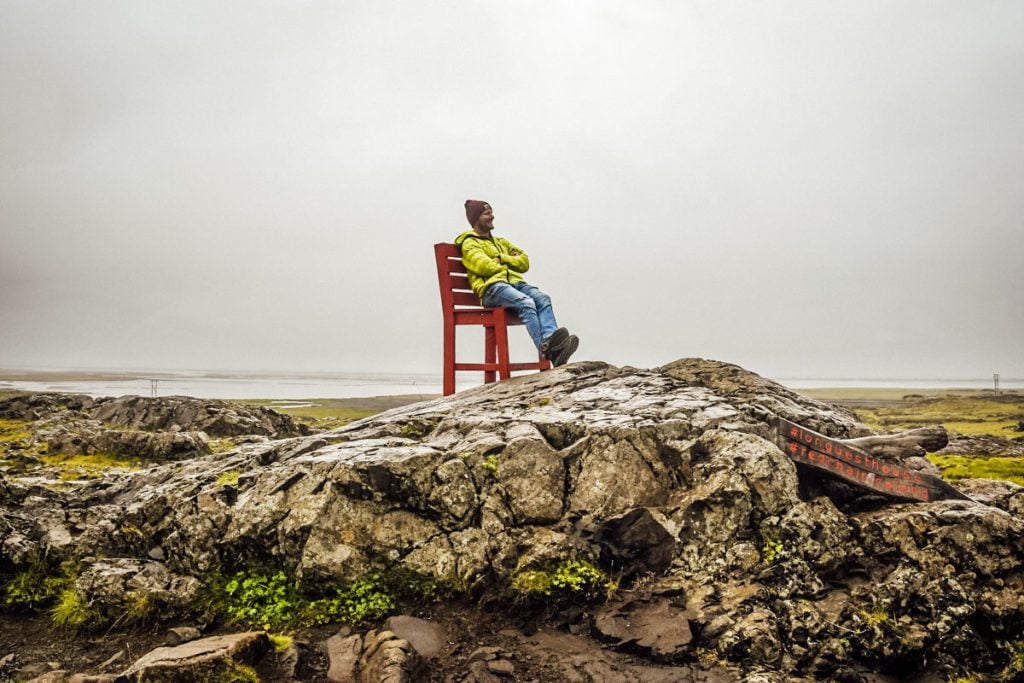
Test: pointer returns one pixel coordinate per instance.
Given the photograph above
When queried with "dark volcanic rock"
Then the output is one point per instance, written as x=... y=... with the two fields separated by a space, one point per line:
x=669 y=479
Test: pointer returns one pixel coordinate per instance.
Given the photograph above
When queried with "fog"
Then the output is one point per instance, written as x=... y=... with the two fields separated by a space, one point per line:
x=806 y=189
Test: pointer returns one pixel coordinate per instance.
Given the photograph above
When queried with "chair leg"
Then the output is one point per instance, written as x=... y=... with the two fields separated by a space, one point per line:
x=448 y=373
x=489 y=352
x=501 y=339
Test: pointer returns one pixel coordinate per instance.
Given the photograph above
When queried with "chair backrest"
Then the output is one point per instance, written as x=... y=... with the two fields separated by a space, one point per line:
x=452 y=279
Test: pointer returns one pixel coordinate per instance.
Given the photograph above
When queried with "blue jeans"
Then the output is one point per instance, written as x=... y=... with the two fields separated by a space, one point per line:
x=532 y=305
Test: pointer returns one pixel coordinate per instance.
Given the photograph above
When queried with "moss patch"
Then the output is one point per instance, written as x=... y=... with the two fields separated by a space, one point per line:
x=956 y=467
x=91 y=466
x=14 y=431
x=229 y=478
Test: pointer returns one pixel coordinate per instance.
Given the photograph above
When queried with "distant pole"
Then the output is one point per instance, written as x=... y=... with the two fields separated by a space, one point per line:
x=995 y=382
x=152 y=387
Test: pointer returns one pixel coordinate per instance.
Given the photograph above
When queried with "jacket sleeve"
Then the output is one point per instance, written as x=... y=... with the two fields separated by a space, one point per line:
x=477 y=260
x=520 y=262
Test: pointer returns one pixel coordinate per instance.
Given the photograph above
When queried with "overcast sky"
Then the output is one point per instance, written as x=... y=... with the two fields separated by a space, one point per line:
x=803 y=188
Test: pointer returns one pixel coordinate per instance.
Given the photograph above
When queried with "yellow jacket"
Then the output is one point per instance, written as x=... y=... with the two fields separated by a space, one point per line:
x=491 y=259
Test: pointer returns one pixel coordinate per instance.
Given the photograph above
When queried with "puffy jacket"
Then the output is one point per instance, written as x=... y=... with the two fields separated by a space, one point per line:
x=478 y=255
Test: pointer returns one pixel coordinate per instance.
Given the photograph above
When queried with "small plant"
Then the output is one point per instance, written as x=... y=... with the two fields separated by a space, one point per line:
x=772 y=550
x=260 y=600
x=71 y=610
x=491 y=465
x=33 y=589
x=141 y=606
x=569 y=578
x=367 y=599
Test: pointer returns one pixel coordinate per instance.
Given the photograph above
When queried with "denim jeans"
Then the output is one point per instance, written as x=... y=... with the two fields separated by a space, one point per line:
x=532 y=305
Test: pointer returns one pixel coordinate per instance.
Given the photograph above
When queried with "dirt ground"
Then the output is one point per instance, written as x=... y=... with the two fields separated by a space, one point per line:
x=546 y=653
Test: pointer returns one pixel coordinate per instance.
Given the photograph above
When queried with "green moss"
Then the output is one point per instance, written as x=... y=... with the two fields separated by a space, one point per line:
x=222 y=445
x=236 y=672
x=71 y=610
x=142 y=607
x=91 y=466
x=568 y=578
x=875 y=617
x=281 y=642
x=956 y=467
x=15 y=431
x=229 y=478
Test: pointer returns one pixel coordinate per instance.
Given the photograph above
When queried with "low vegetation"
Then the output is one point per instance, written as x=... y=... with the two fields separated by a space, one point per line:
x=957 y=467
x=573 y=579
x=270 y=600
x=89 y=466
x=321 y=414
x=957 y=411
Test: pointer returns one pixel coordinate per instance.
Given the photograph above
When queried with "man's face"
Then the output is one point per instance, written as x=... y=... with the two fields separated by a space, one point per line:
x=486 y=221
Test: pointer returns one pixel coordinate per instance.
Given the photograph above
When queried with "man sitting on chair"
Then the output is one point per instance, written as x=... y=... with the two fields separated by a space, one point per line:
x=496 y=268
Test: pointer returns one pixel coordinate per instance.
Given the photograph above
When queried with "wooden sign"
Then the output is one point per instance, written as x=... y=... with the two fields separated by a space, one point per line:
x=856 y=467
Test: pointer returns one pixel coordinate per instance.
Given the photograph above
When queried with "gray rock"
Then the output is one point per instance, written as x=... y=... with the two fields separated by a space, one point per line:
x=657 y=627
x=388 y=659
x=182 y=634
x=343 y=657
x=671 y=474
x=198 y=660
x=427 y=637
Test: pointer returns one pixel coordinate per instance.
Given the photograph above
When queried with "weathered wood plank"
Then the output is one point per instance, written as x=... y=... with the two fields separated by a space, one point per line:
x=850 y=464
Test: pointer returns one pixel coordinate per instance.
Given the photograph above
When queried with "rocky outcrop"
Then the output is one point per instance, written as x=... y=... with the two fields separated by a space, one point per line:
x=668 y=479
x=136 y=427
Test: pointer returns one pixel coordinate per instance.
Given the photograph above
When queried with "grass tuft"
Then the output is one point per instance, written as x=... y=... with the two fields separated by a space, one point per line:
x=71 y=610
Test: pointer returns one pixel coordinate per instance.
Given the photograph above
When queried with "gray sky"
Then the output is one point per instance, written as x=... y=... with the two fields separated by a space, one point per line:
x=804 y=188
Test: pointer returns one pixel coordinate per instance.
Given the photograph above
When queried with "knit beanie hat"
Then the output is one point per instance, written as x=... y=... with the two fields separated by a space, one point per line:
x=475 y=207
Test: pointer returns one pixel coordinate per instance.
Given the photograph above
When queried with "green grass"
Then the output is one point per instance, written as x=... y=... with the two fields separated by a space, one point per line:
x=964 y=414
x=331 y=413
x=957 y=467
x=322 y=413
x=71 y=610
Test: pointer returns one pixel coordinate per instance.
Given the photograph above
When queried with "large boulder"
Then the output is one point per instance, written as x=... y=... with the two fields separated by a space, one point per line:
x=669 y=479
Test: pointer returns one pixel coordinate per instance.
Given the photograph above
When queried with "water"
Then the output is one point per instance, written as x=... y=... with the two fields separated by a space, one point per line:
x=233 y=386
x=297 y=386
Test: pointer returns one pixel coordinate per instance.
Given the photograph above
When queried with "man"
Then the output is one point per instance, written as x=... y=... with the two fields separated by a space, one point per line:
x=496 y=268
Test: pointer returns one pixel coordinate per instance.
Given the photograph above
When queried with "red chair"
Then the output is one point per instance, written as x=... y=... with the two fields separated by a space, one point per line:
x=461 y=306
